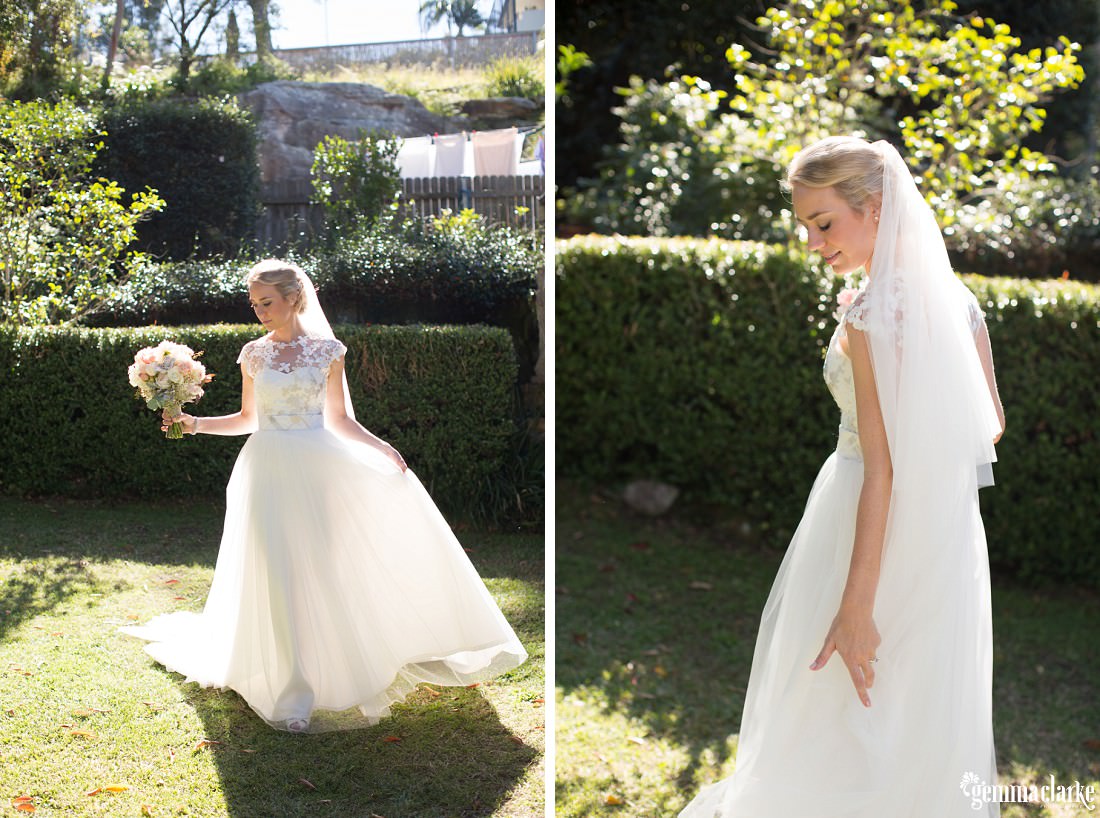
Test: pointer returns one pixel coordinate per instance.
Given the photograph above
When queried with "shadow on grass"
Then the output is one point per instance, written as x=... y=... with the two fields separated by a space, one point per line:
x=657 y=621
x=39 y=587
x=448 y=756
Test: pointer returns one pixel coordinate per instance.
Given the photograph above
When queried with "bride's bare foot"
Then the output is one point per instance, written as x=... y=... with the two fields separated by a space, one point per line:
x=297 y=725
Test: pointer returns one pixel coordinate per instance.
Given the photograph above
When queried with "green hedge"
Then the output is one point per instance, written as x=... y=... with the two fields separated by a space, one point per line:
x=200 y=156
x=444 y=396
x=409 y=274
x=698 y=362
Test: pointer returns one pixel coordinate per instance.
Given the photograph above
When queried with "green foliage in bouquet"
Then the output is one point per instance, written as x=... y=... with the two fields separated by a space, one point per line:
x=64 y=230
x=699 y=363
x=444 y=396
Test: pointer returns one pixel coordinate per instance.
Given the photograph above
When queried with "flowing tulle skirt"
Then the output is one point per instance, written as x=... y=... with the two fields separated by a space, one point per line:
x=807 y=747
x=338 y=587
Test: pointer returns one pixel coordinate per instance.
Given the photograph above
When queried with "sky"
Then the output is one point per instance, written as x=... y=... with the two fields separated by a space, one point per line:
x=307 y=23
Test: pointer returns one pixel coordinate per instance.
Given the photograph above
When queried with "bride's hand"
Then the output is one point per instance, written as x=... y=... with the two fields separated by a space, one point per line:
x=186 y=421
x=395 y=456
x=855 y=637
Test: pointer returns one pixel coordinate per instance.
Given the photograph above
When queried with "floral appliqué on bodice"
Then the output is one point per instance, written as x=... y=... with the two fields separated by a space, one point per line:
x=841 y=381
x=289 y=379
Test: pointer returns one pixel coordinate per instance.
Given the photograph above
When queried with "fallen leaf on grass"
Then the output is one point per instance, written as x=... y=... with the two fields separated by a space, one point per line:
x=636 y=739
x=171 y=754
x=391 y=739
x=171 y=582
x=204 y=743
x=435 y=694
x=146 y=809
x=516 y=739
x=640 y=546
x=153 y=705
x=108 y=788
x=613 y=801
x=178 y=598
x=699 y=585
x=1092 y=743
x=475 y=684
x=305 y=782
x=538 y=701
x=134 y=617
x=82 y=733
x=22 y=672
x=24 y=803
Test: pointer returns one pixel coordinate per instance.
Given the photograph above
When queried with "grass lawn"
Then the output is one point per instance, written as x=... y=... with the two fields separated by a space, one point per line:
x=83 y=708
x=656 y=624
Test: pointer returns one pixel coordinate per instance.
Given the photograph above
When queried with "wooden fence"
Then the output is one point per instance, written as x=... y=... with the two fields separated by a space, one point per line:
x=516 y=201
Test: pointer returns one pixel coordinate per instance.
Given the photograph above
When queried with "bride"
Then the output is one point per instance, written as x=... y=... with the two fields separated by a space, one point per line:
x=870 y=694
x=338 y=586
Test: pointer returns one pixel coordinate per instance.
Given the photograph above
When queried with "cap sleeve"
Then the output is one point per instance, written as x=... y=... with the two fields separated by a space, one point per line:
x=856 y=316
x=249 y=356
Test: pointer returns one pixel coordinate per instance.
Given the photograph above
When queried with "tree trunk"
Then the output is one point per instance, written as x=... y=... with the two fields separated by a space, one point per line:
x=112 y=48
x=261 y=27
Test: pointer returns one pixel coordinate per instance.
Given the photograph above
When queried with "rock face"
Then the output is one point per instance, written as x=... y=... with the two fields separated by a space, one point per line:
x=293 y=117
x=501 y=110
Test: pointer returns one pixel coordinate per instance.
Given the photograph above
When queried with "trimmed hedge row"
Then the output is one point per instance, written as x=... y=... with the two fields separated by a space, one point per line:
x=444 y=396
x=410 y=274
x=698 y=362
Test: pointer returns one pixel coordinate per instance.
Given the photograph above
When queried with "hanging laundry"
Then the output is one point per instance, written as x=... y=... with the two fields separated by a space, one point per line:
x=495 y=152
x=450 y=154
x=415 y=157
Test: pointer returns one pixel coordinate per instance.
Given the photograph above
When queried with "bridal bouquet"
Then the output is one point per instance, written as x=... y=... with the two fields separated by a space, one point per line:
x=166 y=377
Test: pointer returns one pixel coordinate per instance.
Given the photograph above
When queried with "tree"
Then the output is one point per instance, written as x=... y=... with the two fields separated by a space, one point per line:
x=261 y=27
x=232 y=36
x=36 y=43
x=957 y=94
x=112 y=47
x=190 y=24
x=62 y=230
x=459 y=14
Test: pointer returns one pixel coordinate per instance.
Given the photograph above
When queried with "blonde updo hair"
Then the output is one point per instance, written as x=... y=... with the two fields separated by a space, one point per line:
x=848 y=164
x=285 y=277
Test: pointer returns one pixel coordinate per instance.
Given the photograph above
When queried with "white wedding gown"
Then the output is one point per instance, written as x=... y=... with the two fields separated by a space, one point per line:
x=808 y=748
x=338 y=585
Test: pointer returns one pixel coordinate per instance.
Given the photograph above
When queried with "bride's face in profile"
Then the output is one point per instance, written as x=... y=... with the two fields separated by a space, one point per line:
x=843 y=236
x=272 y=310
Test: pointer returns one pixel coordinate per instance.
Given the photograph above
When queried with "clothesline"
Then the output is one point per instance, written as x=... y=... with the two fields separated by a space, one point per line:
x=474 y=153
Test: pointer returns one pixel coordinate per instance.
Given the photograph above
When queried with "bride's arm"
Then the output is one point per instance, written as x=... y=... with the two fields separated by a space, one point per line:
x=853 y=633
x=239 y=423
x=342 y=423
x=985 y=355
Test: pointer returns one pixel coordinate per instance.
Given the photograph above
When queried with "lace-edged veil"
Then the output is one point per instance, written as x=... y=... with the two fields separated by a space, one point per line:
x=936 y=405
x=315 y=324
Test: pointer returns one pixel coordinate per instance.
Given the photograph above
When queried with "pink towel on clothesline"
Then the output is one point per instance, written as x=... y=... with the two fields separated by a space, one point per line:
x=495 y=152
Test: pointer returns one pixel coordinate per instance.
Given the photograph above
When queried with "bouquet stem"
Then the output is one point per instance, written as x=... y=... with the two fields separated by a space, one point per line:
x=175 y=431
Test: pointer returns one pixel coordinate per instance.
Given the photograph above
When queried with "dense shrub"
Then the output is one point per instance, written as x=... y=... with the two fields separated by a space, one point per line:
x=516 y=77
x=442 y=273
x=699 y=363
x=444 y=396
x=200 y=155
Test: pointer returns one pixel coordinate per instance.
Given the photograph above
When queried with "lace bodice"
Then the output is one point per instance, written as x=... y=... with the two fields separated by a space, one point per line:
x=289 y=379
x=841 y=382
